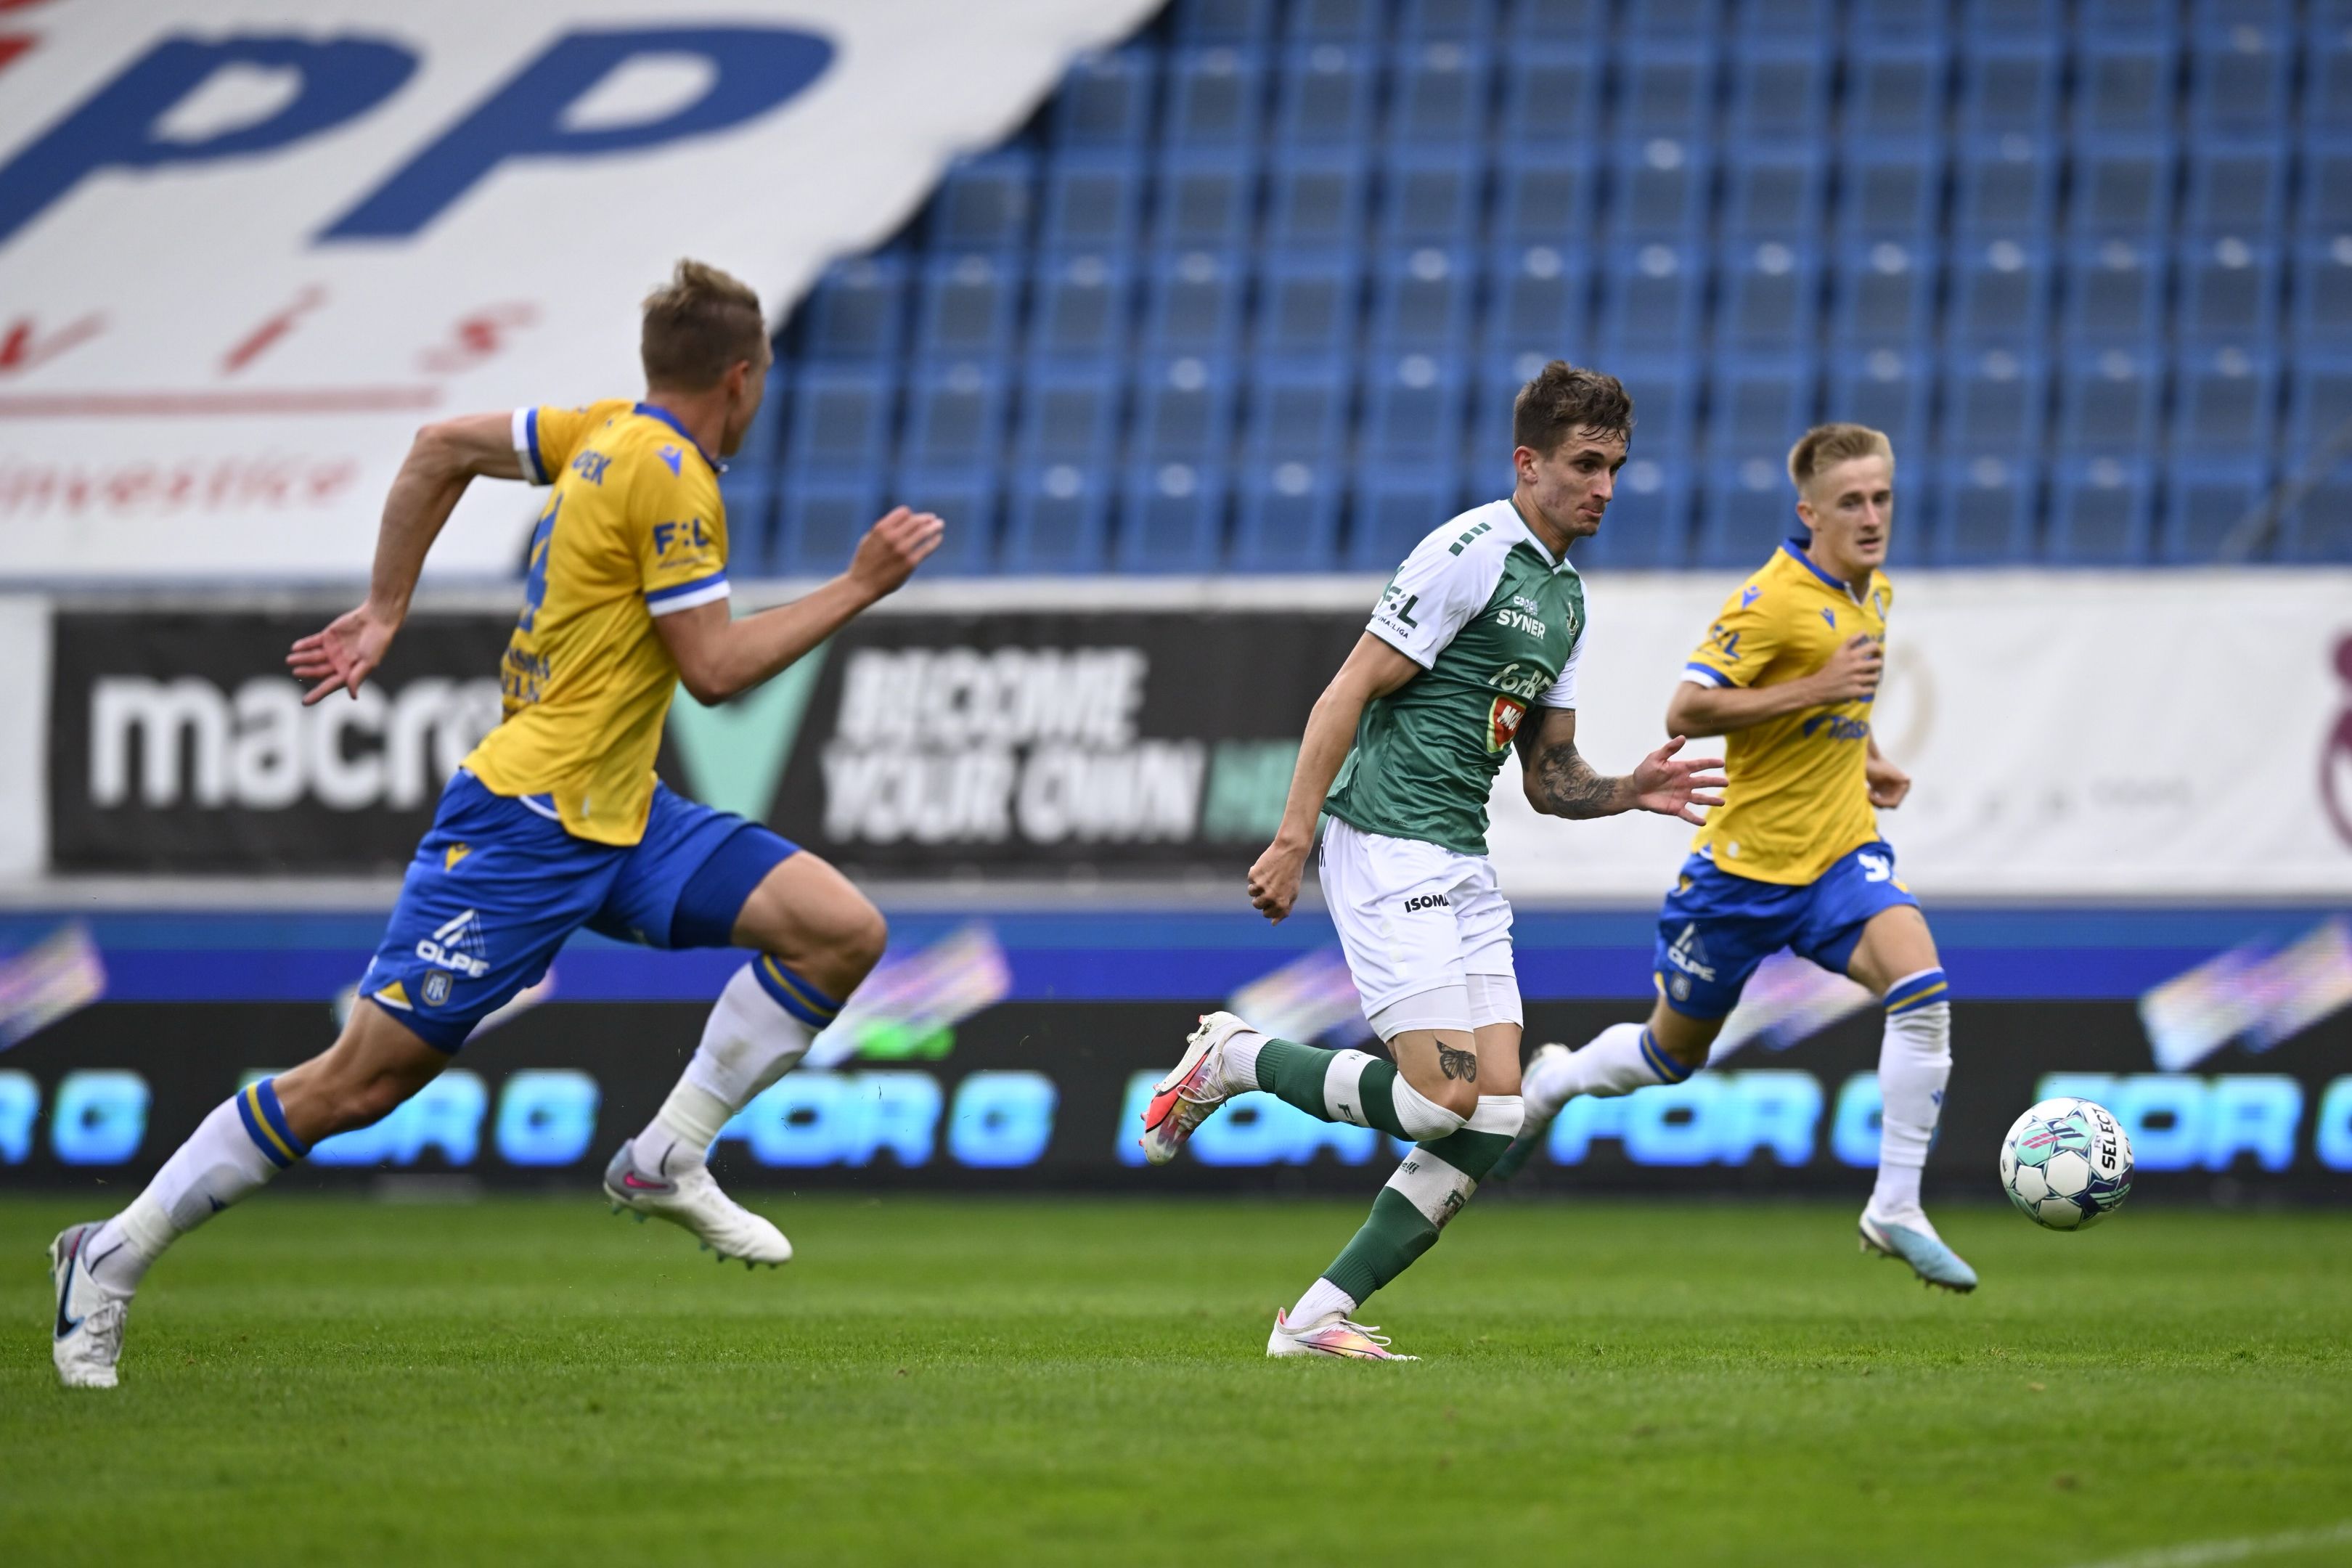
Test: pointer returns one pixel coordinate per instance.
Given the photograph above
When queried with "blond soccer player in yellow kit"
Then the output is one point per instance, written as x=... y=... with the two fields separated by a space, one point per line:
x=556 y=820
x=1792 y=859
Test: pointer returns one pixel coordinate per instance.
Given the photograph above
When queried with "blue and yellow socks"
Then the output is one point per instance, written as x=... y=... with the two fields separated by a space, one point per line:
x=1915 y=1063
x=1620 y=1059
x=242 y=1145
x=759 y=1029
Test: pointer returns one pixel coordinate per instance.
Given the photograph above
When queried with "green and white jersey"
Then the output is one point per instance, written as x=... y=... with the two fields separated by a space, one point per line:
x=1495 y=623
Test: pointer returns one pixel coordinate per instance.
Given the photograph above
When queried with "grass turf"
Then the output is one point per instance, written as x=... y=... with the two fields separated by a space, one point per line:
x=1069 y=1382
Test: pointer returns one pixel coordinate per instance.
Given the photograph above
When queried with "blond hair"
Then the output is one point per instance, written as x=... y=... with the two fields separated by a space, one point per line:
x=697 y=325
x=1826 y=446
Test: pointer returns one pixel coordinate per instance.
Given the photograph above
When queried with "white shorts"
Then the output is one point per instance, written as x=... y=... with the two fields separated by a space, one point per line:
x=1418 y=918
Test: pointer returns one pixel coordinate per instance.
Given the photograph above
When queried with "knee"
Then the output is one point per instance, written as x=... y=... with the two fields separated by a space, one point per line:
x=863 y=936
x=348 y=1102
x=1455 y=1097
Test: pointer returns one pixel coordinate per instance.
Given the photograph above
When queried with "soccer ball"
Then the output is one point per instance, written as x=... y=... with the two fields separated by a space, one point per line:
x=2066 y=1163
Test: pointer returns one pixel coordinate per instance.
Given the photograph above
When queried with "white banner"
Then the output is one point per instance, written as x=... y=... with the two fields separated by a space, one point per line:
x=2070 y=735
x=248 y=246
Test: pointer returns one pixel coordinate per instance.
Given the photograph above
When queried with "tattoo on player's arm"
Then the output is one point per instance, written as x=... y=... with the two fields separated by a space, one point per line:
x=1570 y=787
x=1454 y=1063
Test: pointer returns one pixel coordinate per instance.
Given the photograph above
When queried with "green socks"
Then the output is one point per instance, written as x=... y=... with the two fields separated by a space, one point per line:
x=1427 y=1190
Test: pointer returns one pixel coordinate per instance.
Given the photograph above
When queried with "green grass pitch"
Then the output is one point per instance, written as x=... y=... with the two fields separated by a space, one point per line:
x=1041 y=1382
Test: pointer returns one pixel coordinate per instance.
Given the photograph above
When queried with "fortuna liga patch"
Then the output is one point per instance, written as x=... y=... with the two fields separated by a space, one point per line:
x=1502 y=722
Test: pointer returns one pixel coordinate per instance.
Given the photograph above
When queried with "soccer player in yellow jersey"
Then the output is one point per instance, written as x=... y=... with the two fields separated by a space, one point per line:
x=1792 y=859
x=556 y=821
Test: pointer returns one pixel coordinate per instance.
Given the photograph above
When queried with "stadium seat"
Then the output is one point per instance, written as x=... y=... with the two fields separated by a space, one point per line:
x=1759 y=405
x=1081 y=308
x=2327 y=83
x=1747 y=513
x=1069 y=413
x=2012 y=18
x=1452 y=21
x=748 y=493
x=1652 y=298
x=2007 y=188
x=1433 y=197
x=2124 y=86
x=1810 y=20
x=1214 y=98
x=984 y=203
x=2204 y=502
x=2319 y=528
x=2225 y=400
x=1105 y=100
x=2275 y=15
x=841 y=419
x=1172 y=519
x=1487 y=449
x=2008 y=85
x=968 y=309
x=1308 y=305
x=1993 y=406
x=1884 y=295
x=1298 y=410
x=2107 y=404
x=1666 y=408
x=2239 y=81
x=1557 y=21
x=1183 y=413
x=856 y=313
x=2325 y=207
x=965 y=499
x=1886 y=390
x=1094 y=202
x=1327 y=96
x=1224 y=21
x=1288 y=517
x=2128 y=18
x=1204 y=201
x=955 y=417
x=1647 y=525
x=1775 y=191
x=2113 y=295
x=1335 y=21
x=1665 y=87
x=1985 y=511
x=1771 y=299
x=1661 y=190
x=1895 y=87
x=1779 y=91
x=2322 y=293
x=2319 y=406
x=1421 y=302
x=1395 y=509
x=1413 y=413
x=1057 y=519
x=2101 y=513
x=2122 y=188
x=1438 y=96
x=2000 y=297
x=1544 y=195
x=1316 y=201
x=820 y=519
x=1535 y=303
x=1551 y=96
x=1905 y=19
x=1192 y=304
x=2236 y=188
x=1891 y=190
x=1674 y=19
x=2228 y=294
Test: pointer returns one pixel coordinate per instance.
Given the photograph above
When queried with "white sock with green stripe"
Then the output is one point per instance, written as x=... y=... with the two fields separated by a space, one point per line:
x=240 y=1146
x=760 y=1029
x=1353 y=1087
x=1620 y=1059
x=1915 y=1063
x=1426 y=1192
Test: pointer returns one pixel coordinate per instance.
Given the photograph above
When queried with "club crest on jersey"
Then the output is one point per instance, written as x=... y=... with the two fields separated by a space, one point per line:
x=436 y=988
x=1502 y=722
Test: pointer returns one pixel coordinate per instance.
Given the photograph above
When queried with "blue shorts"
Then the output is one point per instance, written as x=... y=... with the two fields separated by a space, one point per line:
x=497 y=885
x=1715 y=927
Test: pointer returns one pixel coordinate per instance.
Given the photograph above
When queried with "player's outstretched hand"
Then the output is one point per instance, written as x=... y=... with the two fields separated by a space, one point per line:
x=893 y=548
x=1677 y=787
x=1888 y=783
x=1852 y=671
x=345 y=654
x=1274 y=880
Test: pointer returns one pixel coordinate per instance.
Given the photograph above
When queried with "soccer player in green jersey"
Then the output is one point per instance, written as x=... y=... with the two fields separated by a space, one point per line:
x=1485 y=620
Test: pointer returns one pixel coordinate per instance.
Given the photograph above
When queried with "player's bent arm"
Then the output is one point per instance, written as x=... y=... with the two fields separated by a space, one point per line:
x=1560 y=782
x=1702 y=707
x=1373 y=669
x=719 y=656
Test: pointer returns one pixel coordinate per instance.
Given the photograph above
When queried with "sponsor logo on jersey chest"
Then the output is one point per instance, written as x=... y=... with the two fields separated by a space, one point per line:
x=1503 y=716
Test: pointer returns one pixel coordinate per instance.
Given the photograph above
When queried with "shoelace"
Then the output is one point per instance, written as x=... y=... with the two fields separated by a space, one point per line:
x=1370 y=1330
x=103 y=1323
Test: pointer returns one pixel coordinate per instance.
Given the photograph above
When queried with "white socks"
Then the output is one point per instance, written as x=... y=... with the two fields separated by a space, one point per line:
x=753 y=1038
x=240 y=1146
x=1322 y=1300
x=1241 y=1061
x=1620 y=1059
x=1914 y=1062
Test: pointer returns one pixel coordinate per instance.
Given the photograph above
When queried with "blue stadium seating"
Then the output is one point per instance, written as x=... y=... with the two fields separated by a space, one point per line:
x=1423 y=303
x=1780 y=91
x=969 y=306
x=2228 y=294
x=2224 y=400
x=2322 y=293
x=1747 y=511
x=1438 y=96
x=1662 y=186
x=1316 y=201
x=1105 y=101
x=1544 y=195
x=1204 y=199
x=821 y=519
x=1777 y=190
x=966 y=498
x=2239 y=79
x=1193 y=304
x=1551 y=95
x=1895 y=87
x=1058 y=520
x=856 y=313
x=1184 y=412
x=955 y=419
x=1984 y=512
x=1215 y=97
x=2114 y=294
x=985 y=203
x=1288 y=515
x=1647 y=526
x=1884 y=297
x=2205 y=499
x=1395 y=509
x=841 y=419
x=2237 y=188
x=2007 y=189
x=1651 y=302
x=1094 y=202
x=1172 y=519
x=2107 y=402
x=1433 y=197
x=2101 y=513
x=1069 y=413
x=1327 y=96
x=1771 y=298
x=1888 y=390
x=1536 y=303
x=2000 y=297
x=1080 y=309
x=1892 y=190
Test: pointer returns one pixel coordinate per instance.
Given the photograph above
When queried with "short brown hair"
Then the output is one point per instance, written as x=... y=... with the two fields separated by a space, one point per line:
x=698 y=323
x=1563 y=400
x=1827 y=445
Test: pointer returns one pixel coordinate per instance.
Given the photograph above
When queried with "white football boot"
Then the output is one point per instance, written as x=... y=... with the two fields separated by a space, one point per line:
x=89 y=1334
x=1914 y=1241
x=692 y=1199
x=1193 y=1089
x=1334 y=1336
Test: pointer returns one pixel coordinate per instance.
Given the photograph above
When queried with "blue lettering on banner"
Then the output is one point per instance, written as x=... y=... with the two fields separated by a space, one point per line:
x=2181 y=1121
x=753 y=70
x=20 y=1108
x=2332 y=1136
x=120 y=125
x=1715 y=1119
x=1001 y=1120
x=445 y=1116
x=820 y=1117
x=546 y=1117
x=100 y=1118
x=1854 y=1132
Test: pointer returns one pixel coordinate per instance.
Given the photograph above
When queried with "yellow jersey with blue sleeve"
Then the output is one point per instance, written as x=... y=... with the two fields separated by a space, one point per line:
x=633 y=530
x=1799 y=797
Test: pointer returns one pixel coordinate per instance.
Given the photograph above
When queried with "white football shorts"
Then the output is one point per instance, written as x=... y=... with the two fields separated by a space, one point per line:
x=1417 y=921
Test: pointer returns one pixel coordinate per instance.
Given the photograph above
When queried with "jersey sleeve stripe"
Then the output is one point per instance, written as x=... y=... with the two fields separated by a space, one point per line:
x=526 y=444
x=1698 y=674
x=686 y=596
